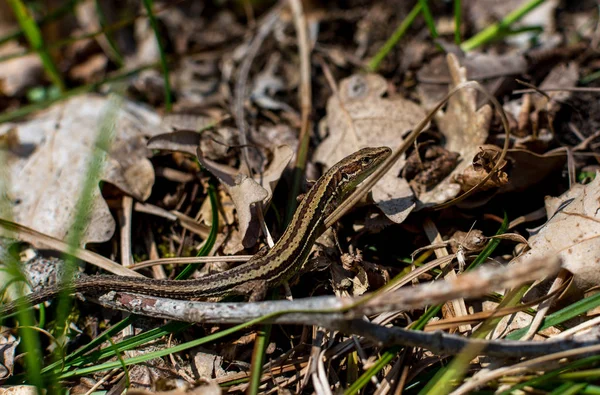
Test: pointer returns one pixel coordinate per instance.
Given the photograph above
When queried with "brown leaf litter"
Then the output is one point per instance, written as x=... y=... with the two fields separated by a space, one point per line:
x=48 y=166
x=358 y=116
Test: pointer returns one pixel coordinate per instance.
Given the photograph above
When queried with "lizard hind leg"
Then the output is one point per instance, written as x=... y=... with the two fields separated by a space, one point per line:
x=257 y=290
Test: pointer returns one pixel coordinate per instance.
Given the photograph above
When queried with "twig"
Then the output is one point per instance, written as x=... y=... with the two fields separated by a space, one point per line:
x=443 y=343
x=125 y=222
x=38 y=239
x=559 y=281
x=304 y=50
x=458 y=306
x=244 y=71
x=240 y=92
x=329 y=311
x=527 y=365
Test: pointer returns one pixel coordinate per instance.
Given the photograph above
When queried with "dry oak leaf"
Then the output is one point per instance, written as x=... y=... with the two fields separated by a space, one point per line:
x=357 y=117
x=245 y=191
x=48 y=166
x=572 y=233
x=465 y=128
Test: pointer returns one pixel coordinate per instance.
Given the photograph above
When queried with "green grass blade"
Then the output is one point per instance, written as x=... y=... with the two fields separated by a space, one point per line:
x=457 y=21
x=163 y=56
x=30 y=341
x=164 y=352
x=126 y=345
x=365 y=378
x=492 y=32
x=258 y=359
x=569 y=388
x=562 y=315
x=552 y=374
x=34 y=37
x=114 y=54
x=428 y=19
x=26 y=110
x=373 y=64
x=212 y=236
x=53 y=15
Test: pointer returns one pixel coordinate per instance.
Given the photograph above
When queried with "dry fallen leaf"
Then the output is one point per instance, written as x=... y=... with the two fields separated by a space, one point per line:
x=482 y=164
x=572 y=233
x=358 y=116
x=20 y=73
x=246 y=191
x=527 y=168
x=465 y=128
x=48 y=168
x=8 y=347
x=535 y=112
x=208 y=387
x=18 y=390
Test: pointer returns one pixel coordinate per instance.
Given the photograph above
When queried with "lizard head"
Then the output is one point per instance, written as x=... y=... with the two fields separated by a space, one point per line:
x=358 y=166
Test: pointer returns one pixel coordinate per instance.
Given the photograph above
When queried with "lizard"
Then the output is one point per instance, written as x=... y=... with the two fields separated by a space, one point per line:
x=263 y=270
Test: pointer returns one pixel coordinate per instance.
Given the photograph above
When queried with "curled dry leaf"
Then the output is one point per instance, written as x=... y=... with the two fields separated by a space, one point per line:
x=528 y=168
x=465 y=128
x=8 y=347
x=267 y=84
x=358 y=116
x=561 y=76
x=483 y=163
x=48 y=167
x=246 y=191
x=535 y=112
x=572 y=233
x=19 y=390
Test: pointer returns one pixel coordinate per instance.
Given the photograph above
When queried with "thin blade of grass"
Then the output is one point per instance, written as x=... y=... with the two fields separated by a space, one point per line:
x=492 y=32
x=53 y=15
x=161 y=353
x=365 y=378
x=26 y=110
x=258 y=359
x=571 y=311
x=212 y=236
x=428 y=19
x=457 y=21
x=552 y=374
x=77 y=359
x=30 y=341
x=163 y=57
x=34 y=37
x=114 y=54
x=375 y=61
x=451 y=375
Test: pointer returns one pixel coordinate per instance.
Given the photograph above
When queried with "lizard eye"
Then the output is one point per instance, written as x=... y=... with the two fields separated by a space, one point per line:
x=366 y=161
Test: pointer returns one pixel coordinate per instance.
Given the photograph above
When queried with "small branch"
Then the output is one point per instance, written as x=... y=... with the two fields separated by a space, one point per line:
x=440 y=342
x=328 y=311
